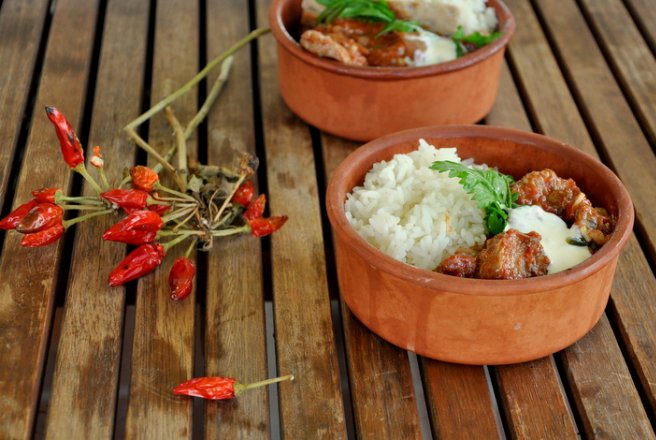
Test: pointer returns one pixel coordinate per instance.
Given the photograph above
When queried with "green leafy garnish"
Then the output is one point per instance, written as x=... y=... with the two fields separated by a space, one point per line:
x=476 y=38
x=366 y=10
x=489 y=188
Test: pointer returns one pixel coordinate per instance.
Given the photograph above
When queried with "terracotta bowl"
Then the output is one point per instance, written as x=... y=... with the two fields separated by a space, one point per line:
x=475 y=321
x=363 y=103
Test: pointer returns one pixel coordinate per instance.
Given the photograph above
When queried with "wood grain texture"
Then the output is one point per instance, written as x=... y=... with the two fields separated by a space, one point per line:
x=311 y=406
x=629 y=56
x=83 y=400
x=164 y=330
x=554 y=110
x=459 y=401
x=643 y=12
x=533 y=400
x=389 y=409
x=21 y=24
x=610 y=115
x=235 y=331
x=29 y=276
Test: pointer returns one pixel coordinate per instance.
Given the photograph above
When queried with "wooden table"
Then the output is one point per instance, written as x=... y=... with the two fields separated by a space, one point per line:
x=83 y=360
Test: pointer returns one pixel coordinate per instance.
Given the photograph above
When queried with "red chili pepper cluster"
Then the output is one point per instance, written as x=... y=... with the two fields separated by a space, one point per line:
x=156 y=217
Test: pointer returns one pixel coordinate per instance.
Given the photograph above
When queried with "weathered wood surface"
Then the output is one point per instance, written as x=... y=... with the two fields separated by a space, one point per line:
x=582 y=72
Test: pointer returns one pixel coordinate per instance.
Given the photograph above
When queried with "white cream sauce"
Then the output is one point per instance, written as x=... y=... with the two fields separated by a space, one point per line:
x=436 y=49
x=554 y=232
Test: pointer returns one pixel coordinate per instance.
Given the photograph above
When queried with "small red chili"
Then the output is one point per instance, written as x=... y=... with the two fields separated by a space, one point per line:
x=160 y=209
x=244 y=193
x=128 y=199
x=17 y=214
x=44 y=237
x=143 y=177
x=137 y=263
x=138 y=227
x=261 y=227
x=45 y=194
x=255 y=208
x=181 y=278
x=68 y=141
x=220 y=388
x=43 y=216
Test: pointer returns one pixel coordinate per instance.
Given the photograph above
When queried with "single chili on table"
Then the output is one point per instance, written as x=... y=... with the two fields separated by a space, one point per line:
x=221 y=388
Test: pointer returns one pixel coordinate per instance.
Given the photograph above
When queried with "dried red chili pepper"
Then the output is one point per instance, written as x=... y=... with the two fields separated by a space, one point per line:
x=44 y=237
x=137 y=263
x=244 y=193
x=128 y=199
x=181 y=278
x=97 y=158
x=68 y=141
x=16 y=215
x=45 y=194
x=261 y=227
x=255 y=208
x=41 y=217
x=138 y=227
x=160 y=209
x=220 y=388
x=143 y=178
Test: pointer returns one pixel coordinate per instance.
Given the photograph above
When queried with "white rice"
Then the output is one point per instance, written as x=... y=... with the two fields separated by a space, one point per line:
x=413 y=213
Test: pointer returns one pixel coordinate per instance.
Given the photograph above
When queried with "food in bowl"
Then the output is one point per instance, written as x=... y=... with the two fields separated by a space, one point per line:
x=392 y=98
x=396 y=33
x=467 y=320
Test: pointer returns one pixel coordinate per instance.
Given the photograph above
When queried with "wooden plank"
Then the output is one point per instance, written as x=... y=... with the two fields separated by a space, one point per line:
x=21 y=23
x=164 y=329
x=634 y=161
x=610 y=115
x=389 y=409
x=29 y=276
x=555 y=112
x=235 y=332
x=312 y=404
x=83 y=402
x=459 y=401
x=644 y=13
x=533 y=401
x=628 y=54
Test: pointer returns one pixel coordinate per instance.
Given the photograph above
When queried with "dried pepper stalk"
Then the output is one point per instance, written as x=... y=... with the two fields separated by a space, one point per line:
x=220 y=388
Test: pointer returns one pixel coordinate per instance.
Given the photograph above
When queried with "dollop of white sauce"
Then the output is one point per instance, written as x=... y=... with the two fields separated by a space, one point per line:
x=554 y=232
x=437 y=49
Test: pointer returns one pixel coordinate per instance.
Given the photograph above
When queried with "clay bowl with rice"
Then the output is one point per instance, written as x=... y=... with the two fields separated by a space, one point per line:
x=469 y=320
x=363 y=103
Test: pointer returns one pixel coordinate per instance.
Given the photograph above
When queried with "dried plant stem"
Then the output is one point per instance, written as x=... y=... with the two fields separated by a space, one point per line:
x=196 y=79
x=211 y=97
x=181 y=145
x=239 y=181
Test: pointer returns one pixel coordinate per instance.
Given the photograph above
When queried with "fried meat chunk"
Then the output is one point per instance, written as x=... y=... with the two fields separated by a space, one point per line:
x=511 y=255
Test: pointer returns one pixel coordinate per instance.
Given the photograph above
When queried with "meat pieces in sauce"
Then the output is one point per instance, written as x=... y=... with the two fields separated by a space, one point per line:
x=357 y=43
x=506 y=256
x=564 y=198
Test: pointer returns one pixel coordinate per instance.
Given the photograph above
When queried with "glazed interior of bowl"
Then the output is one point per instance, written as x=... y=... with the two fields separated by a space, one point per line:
x=512 y=152
x=285 y=17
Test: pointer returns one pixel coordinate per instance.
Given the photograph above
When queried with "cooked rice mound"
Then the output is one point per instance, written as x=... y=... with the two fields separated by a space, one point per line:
x=413 y=213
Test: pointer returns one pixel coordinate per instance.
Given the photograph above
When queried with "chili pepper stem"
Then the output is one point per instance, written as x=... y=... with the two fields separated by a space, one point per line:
x=232 y=231
x=103 y=179
x=239 y=181
x=262 y=383
x=83 y=171
x=185 y=232
x=86 y=200
x=180 y=141
x=176 y=241
x=196 y=79
x=161 y=187
x=191 y=247
x=177 y=214
x=211 y=97
x=125 y=181
x=71 y=222
x=81 y=207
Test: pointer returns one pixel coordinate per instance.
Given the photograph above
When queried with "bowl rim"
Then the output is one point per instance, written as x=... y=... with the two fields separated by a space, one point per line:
x=335 y=197
x=506 y=27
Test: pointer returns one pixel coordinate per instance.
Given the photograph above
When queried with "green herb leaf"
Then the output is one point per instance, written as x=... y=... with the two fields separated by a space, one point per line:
x=488 y=187
x=476 y=38
x=366 y=10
